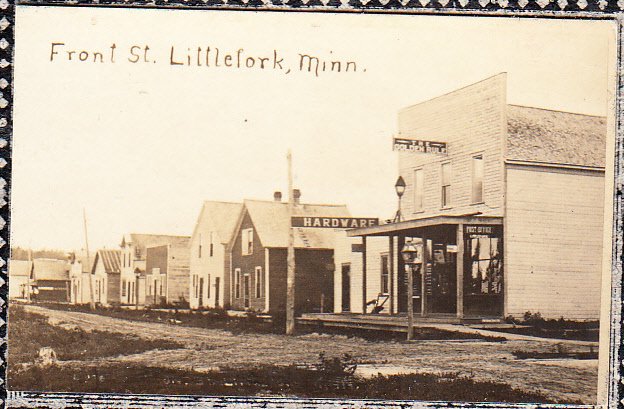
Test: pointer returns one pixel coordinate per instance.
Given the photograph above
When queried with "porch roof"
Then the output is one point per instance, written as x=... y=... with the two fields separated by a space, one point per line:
x=393 y=229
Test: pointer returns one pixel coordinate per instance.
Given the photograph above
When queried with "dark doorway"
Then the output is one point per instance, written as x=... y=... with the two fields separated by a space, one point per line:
x=246 y=289
x=217 y=290
x=441 y=279
x=346 y=287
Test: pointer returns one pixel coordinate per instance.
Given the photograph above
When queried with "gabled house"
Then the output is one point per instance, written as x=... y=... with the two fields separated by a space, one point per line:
x=167 y=273
x=79 y=272
x=106 y=277
x=133 y=265
x=51 y=280
x=259 y=257
x=209 y=255
x=19 y=278
x=508 y=219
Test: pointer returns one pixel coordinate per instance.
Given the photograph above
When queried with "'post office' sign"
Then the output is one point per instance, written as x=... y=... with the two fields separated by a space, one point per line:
x=334 y=222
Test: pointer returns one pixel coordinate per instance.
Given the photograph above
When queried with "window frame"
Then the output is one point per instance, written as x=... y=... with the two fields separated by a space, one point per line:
x=473 y=197
x=237 y=283
x=418 y=208
x=258 y=282
x=445 y=188
x=247 y=238
x=385 y=256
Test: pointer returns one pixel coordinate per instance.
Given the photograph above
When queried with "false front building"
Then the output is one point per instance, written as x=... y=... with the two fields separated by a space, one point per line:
x=259 y=257
x=504 y=211
x=134 y=288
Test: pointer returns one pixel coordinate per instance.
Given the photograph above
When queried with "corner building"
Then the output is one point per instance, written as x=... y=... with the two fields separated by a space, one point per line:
x=509 y=220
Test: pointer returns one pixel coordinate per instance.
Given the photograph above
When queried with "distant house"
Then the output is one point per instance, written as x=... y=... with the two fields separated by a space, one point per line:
x=167 y=273
x=259 y=257
x=51 y=279
x=19 y=277
x=79 y=272
x=106 y=276
x=210 y=258
x=133 y=264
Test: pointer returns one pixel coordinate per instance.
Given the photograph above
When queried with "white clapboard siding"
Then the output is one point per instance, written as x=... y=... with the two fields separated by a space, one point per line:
x=554 y=227
x=375 y=246
x=470 y=120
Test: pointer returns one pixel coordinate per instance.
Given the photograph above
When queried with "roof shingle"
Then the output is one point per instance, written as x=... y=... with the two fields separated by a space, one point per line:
x=541 y=135
x=271 y=221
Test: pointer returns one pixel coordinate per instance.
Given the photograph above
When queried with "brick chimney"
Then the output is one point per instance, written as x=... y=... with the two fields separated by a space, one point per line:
x=277 y=196
x=297 y=196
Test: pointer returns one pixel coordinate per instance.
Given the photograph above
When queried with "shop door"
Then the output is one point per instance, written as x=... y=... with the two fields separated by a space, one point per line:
x=246 y=292
x=346 y=287
x=441 y=277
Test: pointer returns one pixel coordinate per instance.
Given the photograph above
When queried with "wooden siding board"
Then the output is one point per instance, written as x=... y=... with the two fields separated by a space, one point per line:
x=471 y=121
x=554 y=242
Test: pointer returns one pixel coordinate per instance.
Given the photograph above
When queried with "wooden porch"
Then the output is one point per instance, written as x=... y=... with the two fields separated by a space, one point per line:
x=392 y=323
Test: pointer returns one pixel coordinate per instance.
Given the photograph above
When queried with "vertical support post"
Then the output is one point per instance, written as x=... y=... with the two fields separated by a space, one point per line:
x=364 y=275
x=401 y=273
x=290 y=258
x=423 y=277
x=460 y=270
x=409 y=269
x=391 y=273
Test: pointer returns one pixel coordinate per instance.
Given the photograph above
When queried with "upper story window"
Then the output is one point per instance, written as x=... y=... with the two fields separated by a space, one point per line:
x=477 y=178
x=199 y=247
x=445 y=180
x=419 y=190
x=211 y=250
x=247 y=242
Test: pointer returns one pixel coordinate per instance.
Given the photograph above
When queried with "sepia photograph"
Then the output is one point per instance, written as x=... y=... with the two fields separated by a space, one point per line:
x=311 y=205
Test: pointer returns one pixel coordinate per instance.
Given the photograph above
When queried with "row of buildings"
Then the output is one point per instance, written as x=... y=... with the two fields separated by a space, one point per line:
x=505 y=214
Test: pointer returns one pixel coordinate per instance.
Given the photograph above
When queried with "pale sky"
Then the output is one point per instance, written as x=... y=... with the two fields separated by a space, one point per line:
x=141 y=146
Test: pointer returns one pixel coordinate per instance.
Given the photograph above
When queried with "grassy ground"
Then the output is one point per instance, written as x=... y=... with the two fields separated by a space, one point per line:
x=251 y=323
x=30 y=332
x=268 y=380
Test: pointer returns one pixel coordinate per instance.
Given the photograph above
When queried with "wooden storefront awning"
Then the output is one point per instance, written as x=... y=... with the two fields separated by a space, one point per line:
x=394 y=229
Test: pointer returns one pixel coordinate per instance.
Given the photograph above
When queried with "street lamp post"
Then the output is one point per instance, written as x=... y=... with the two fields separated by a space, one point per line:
x=409 y=253
x=399 y=187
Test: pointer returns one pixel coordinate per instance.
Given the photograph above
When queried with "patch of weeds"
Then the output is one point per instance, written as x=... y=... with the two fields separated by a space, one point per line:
x=533 y=324
x=29 y=332
x=267 y=380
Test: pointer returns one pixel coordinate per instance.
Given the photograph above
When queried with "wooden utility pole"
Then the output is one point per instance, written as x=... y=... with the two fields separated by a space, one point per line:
x=91 y=291
x=32 y=268
x=290 y=275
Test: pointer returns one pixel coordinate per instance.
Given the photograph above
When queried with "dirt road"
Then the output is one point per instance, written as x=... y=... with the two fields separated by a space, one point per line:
x=206 y=349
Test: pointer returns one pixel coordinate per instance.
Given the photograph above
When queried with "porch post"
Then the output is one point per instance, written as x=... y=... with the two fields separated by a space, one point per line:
x=423 y=280
x=460 y=270
x=363 y=274
x=391 y=272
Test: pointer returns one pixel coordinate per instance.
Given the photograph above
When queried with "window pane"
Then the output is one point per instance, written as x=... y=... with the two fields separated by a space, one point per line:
x=477 y=179
x=418 y=189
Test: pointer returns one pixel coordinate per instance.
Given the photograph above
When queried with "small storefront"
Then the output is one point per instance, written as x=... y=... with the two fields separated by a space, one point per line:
x=457 y=266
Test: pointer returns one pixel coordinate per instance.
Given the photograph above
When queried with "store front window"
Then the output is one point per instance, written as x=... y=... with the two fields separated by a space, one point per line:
x=483 y=270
